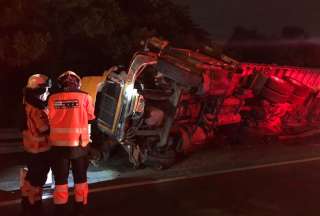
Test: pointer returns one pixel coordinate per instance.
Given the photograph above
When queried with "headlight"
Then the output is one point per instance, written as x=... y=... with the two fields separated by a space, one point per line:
x=130 y=92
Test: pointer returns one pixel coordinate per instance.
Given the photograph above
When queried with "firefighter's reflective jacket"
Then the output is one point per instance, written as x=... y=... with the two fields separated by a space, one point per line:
x=69 y=113
x=34 y=137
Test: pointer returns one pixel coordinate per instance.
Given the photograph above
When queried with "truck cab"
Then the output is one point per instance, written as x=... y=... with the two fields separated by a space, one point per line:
x=167 y=99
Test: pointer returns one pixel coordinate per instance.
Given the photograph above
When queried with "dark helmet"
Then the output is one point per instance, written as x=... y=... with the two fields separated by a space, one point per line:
x=69 y=79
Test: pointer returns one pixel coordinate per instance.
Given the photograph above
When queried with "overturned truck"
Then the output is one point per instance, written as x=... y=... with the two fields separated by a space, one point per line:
x=169 y=101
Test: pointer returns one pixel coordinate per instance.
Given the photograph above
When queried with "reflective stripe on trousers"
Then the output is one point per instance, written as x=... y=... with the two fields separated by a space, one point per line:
x=60 y=194
x=81 y=191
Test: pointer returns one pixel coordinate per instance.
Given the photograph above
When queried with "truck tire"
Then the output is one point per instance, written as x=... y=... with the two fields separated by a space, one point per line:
x=299 y=88
x=295 y=99
x=279 y=85
x=302 y=91
x=160 y=161
x=258 y=82
x=273 y=96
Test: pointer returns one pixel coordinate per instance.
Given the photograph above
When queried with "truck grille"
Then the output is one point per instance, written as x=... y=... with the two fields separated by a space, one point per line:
x=109 y=101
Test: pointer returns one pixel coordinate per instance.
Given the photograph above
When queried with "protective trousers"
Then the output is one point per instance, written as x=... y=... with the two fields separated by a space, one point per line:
x=60 y=168
x=31 y=188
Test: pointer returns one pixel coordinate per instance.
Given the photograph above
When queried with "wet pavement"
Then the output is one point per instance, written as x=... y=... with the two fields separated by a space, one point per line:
x=220 y=179
x=287 y=189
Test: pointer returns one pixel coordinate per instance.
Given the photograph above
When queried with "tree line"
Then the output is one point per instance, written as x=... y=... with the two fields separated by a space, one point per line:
x=88 y=36
x=293 y=47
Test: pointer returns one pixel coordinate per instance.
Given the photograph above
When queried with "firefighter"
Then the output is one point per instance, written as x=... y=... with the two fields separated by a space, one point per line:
x=35 y=141
x=69 y=112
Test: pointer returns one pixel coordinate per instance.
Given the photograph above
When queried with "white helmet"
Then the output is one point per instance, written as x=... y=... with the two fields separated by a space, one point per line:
x=39 y=85
x=38 y=81
x=69 y=79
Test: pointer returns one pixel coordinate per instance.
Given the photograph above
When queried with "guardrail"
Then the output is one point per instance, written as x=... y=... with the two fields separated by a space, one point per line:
x=10 y=141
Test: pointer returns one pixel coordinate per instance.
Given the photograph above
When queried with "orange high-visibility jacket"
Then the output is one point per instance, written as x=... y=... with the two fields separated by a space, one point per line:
x=69 y=113
x=34 y=139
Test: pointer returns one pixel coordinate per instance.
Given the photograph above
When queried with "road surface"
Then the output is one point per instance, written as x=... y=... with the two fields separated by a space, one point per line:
x=265 y=179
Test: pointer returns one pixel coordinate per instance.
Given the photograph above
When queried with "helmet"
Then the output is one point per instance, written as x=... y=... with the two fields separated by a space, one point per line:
x=38 y=81
x=37 y=87
x=69 y=79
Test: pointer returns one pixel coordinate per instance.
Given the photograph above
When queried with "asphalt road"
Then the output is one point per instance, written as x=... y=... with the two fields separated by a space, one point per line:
x=285 y=188
x=249 y=179
x=276 y=190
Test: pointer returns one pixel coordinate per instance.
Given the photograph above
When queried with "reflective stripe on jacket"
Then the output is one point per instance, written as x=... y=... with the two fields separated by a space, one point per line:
x=69 y=113
x=34 y=140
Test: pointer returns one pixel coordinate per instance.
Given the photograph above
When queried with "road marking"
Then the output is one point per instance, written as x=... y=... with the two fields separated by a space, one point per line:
x=186 y=177
x=191 y=176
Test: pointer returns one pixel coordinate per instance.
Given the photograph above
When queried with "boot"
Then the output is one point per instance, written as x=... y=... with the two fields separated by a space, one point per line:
x=25 y=207
x=61 y=210
x=80 y=209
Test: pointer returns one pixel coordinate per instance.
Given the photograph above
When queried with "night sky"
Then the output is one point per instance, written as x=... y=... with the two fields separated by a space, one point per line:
x=219 y=17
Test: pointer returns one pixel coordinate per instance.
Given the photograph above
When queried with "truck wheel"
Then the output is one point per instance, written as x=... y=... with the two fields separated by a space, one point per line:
x=279 y=85
x=295 y=99
x=302 y=91
x=94 y=154
x=97 y=157
x=299 y=88
x=108 y=148
x=100 y=154
x=160 y=161
x=258 y=82
x=274 y=96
